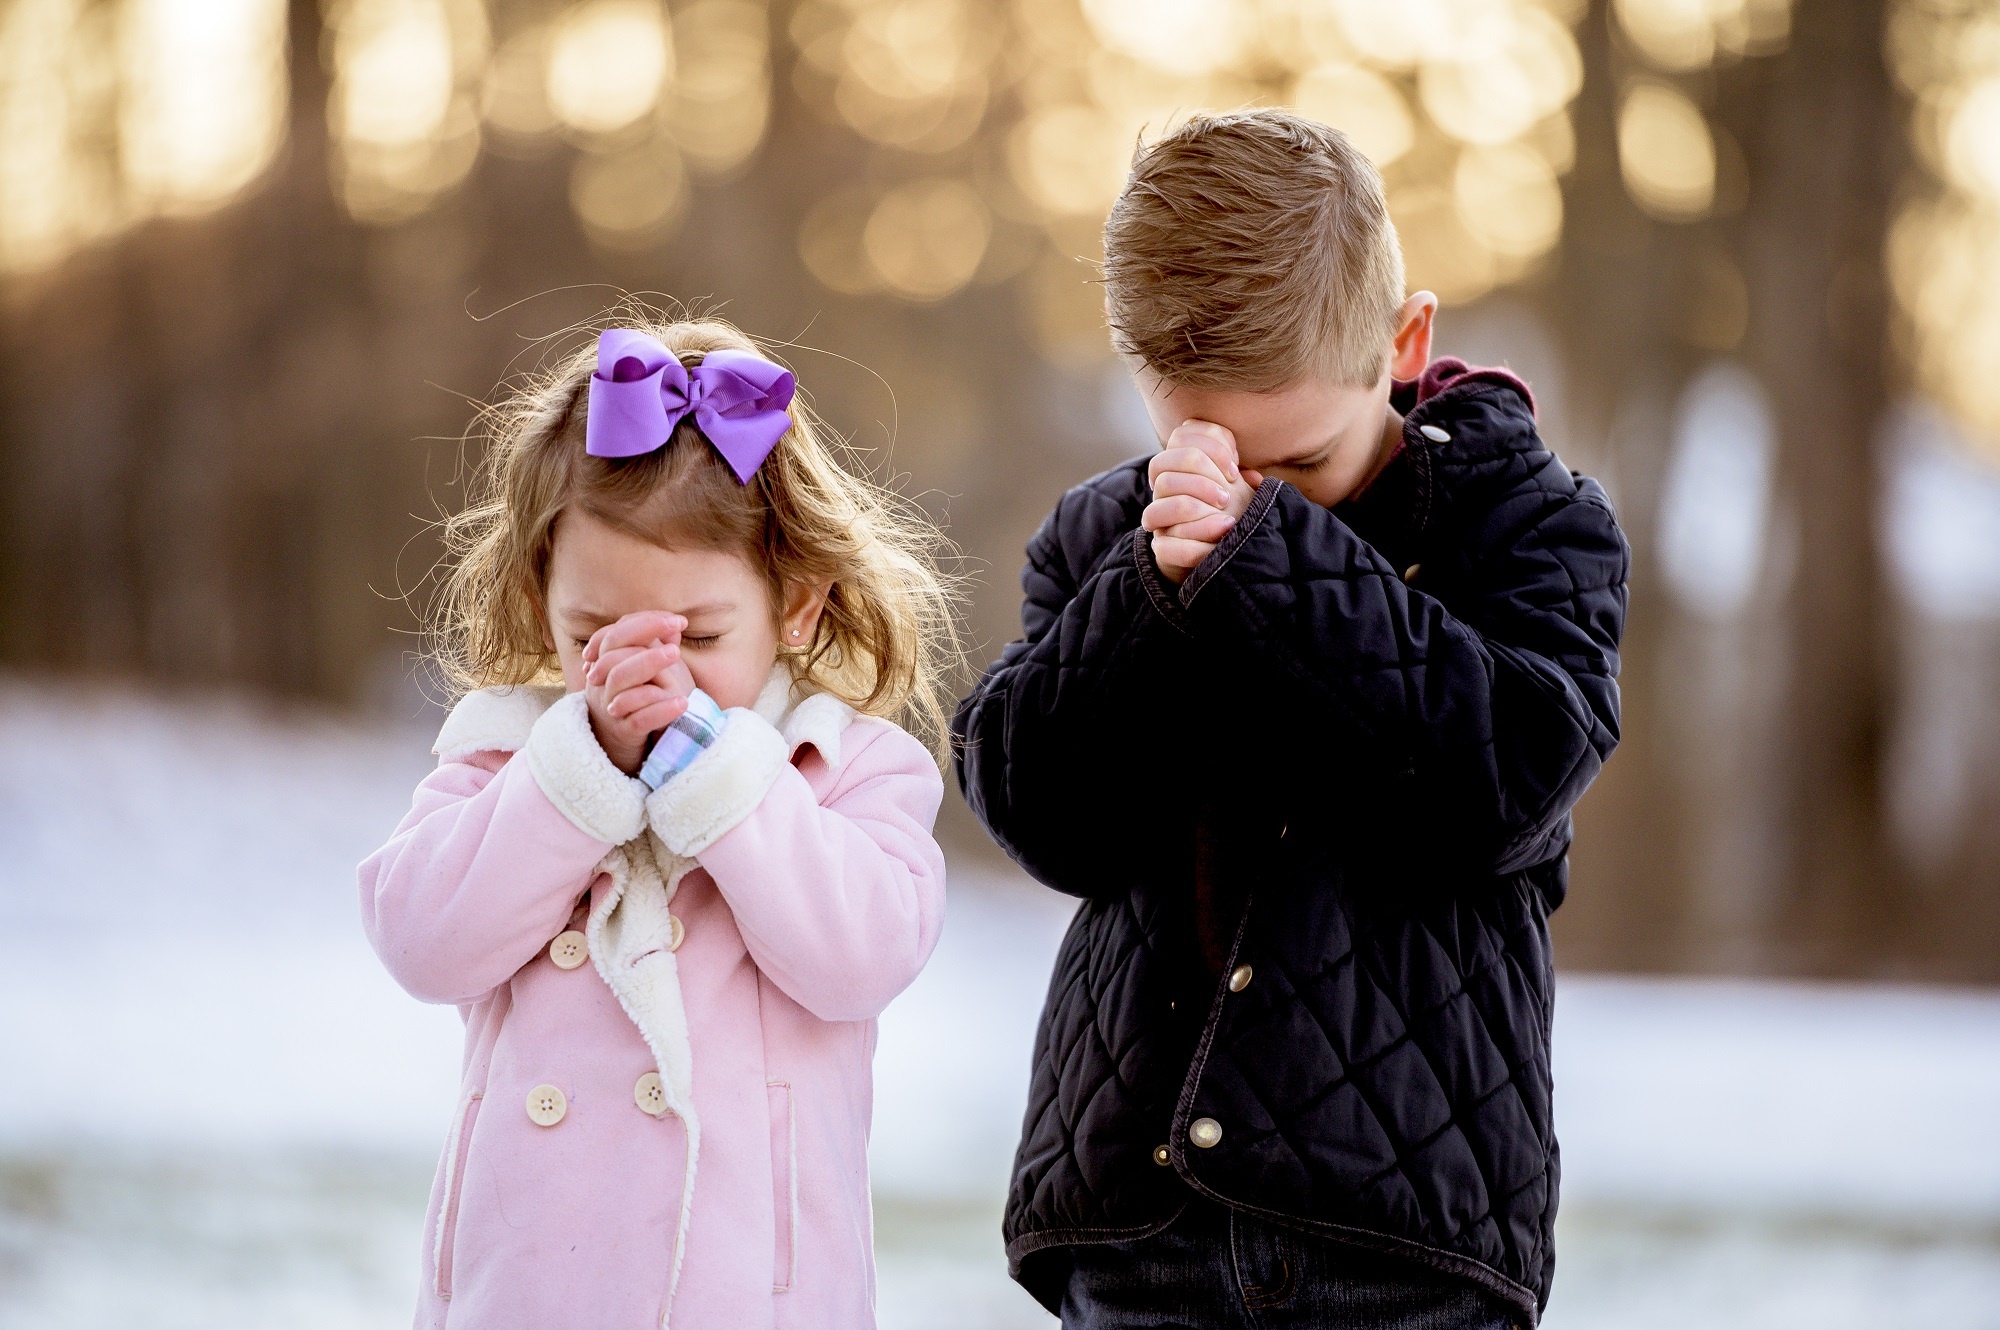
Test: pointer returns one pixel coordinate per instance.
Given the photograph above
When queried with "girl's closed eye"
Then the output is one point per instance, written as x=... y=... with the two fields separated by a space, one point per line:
x=1316 y=464
x=697 y=643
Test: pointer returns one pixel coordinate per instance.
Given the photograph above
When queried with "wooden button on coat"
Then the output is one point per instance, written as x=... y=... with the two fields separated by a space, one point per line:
x=569 y=950
x=677 y=932
x=650 y=1094
x=546 y=1105
x=1410 y=573
x=1162 y=1156
x=1239 y=978
x=1205 y=1133
x=1434 y=434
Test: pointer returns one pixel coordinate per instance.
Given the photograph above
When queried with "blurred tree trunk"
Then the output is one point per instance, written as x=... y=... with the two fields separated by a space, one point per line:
x=1825 y=155
x=1611 y=300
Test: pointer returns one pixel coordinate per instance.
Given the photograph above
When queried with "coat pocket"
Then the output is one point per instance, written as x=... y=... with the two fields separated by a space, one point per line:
x=455 y=1151
x=784 y=1186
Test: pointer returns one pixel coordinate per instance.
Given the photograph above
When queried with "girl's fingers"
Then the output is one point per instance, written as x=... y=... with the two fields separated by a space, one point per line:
x=1163 y=513
x=1172 y=483
x=608 y=660
x=622 y=705
x=643 y=628
x=640 y=667
x=657 y=715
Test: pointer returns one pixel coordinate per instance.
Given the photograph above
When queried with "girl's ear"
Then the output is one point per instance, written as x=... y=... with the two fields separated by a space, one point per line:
x=800 y=619
x=548 y=633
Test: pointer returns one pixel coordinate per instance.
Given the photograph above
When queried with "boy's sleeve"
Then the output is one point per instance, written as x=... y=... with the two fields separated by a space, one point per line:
x=1054 y=749
x=1473 y=730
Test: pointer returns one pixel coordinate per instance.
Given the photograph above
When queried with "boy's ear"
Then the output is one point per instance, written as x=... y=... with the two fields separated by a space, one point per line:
x=1411 y=351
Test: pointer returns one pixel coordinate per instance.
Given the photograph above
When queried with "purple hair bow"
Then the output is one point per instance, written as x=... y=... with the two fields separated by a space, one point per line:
x=641 y=391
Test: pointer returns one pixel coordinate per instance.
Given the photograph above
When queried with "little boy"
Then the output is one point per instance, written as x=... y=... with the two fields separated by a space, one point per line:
x=1301 y=707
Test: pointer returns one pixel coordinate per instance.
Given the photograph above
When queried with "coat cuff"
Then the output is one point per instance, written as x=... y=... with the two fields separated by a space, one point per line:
x=572 y=770
x=721 y=787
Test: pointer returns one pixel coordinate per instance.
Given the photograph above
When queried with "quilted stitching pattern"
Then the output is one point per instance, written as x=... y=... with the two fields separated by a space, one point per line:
x=1386 y=1075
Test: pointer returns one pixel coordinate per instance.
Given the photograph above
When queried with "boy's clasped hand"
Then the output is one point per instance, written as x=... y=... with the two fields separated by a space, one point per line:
x=1198 y=493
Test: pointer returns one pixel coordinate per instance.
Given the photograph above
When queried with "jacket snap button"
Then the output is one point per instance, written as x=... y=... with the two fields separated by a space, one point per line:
x=677 y=932
x=650 y=1094
x=1434 y=434
x=569 y=950
x=1239 y=978
x=1162 y=1156
x=1206 y=1133
x=1410 y=573
x=546 y=1105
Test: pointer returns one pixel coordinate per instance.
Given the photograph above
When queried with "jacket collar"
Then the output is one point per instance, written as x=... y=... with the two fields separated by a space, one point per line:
x=1398 y=506
x=497 y=720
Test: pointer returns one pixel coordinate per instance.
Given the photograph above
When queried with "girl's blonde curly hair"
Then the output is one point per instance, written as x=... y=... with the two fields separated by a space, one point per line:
x=887 y=641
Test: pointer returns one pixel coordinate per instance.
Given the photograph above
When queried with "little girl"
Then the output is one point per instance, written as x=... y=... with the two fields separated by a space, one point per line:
x=675 y=857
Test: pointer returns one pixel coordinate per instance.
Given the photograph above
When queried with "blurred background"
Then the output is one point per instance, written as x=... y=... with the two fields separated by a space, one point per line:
x=260 y=259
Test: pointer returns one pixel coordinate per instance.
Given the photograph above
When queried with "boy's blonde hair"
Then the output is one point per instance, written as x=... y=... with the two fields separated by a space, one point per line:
x=1251 y=251
x=887 y=640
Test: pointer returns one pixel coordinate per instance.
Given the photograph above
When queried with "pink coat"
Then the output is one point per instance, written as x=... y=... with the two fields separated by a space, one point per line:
x=664 y=1113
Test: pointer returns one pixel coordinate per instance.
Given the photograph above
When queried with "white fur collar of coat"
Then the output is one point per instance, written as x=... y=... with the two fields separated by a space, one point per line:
x=655 y=838
x=498 y=720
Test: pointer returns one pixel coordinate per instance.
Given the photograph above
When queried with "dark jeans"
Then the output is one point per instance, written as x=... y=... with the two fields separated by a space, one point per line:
x=1214 y=1268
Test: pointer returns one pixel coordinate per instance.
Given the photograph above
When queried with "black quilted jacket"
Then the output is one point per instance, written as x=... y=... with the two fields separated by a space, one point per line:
x=1316 y=802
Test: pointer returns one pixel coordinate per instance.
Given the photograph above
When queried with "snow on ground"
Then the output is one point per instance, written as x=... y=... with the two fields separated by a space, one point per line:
x=224 y=1112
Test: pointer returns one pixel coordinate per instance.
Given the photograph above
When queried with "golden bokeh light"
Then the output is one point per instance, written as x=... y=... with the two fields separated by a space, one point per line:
x=1400 y=34
x=1681 y=36
x=394 y=82
x=1674 y=34
x=721 y=101
x=1071 y=160
x=1944 y=246
x=1439 y=253
x=47 y=205
x=911 y=74
x=830 y=242
x=609 y=61
x=1508 y=199
x=403 y=108
x=1666 y=152
x=1361 y=104
x=925 y=239
x=629 y=200
x=203 y=108
x=1971 y=139
x=1185 y=37
x=516 y=96
x=1512 y=70
x=1944 y=267
x=111 y=113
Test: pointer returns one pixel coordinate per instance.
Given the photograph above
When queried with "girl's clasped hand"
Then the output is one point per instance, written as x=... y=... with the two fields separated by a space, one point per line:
x=636 y=683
